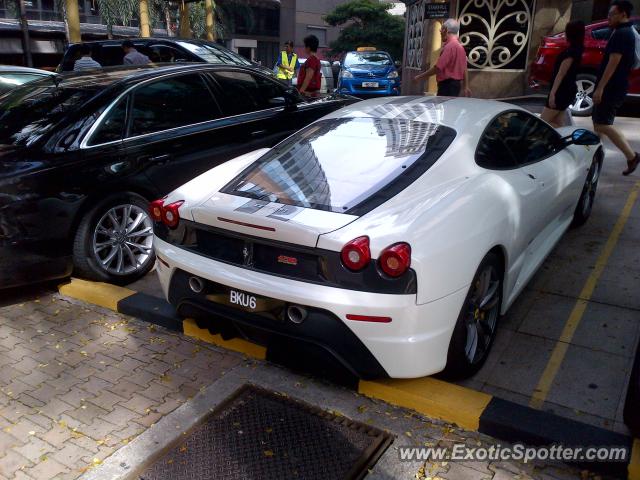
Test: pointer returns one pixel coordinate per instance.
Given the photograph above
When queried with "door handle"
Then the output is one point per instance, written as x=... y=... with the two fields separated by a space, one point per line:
x=160 y=159
x=257 y=133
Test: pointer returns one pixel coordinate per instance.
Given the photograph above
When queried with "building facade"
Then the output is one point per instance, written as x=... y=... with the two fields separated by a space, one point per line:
x=501 y=39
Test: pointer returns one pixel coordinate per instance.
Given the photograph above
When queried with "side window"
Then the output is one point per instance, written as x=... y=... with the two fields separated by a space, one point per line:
x=245 y=92
x=601 y=33
x=172 y=103
x=112 y=127
x=515 y=138
x=166 y=54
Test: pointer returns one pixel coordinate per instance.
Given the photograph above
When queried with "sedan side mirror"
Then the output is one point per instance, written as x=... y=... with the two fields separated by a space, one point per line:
x=291 y=97
x=582 y=136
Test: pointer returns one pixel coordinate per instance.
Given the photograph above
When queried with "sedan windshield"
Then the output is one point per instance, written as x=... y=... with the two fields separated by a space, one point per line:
x=367 y=58
x=31 y=111
x=337 y=164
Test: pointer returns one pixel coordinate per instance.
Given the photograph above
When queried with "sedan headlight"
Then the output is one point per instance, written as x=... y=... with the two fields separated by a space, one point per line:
x=393 y=74
x=346 y=74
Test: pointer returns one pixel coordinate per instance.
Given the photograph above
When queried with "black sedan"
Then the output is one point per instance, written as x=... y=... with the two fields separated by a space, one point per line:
x=81 y=155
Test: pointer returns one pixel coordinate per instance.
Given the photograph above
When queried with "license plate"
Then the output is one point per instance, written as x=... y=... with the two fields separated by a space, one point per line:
x=244 y=301
x=370 y=84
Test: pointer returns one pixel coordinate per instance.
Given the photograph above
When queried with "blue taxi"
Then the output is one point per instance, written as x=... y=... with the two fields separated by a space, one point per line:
x=368 y=71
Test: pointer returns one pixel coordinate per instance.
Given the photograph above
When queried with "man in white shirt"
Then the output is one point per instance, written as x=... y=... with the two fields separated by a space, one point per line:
x=85 y=62
x=133 y=56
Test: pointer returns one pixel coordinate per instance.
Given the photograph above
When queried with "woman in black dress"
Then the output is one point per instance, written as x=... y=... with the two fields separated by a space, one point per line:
x=563 y=83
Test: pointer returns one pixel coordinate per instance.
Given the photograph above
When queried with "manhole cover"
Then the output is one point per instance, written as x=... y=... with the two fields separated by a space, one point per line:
x=258 y=434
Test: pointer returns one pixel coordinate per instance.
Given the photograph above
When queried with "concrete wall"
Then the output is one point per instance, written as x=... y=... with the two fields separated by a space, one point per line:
x=297 y=15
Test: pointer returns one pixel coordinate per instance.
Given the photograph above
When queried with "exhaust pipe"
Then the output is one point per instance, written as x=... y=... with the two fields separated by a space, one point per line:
x=296 y=314
x=196 y=284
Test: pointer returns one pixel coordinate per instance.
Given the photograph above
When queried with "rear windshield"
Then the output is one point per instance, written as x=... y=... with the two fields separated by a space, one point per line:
x=214 y=54
x=337 y=164
x=367 y=58
x=31 y=111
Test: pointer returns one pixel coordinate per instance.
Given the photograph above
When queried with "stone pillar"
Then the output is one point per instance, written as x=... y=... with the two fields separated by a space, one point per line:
x=423 y=40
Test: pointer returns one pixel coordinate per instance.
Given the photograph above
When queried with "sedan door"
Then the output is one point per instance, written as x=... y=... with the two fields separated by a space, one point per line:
x=173 y=130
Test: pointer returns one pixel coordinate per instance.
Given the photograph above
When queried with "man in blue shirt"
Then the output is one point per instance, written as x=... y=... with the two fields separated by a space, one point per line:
x=287 y=63
x=613 y=80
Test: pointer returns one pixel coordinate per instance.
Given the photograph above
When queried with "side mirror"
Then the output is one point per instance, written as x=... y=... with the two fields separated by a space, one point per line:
x=291 y=96
x=582 y=136
x=336 y=64
x=397 y=63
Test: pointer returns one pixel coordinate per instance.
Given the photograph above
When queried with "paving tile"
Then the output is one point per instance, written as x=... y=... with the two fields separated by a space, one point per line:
x=590 y=381
x=11 y=463
x=34 y=449
x=87 y=413
x=124 y=389
x=521 y=364
x=46 y=469
x=70 y=455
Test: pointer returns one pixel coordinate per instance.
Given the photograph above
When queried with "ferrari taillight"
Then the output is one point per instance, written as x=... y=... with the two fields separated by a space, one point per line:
x=171 y=215
x=356 y=254
x=395 y=259
x=167 y=214
x=155 y=210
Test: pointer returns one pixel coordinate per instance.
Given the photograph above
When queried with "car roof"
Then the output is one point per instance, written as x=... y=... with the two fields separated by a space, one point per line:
x=458 y=113
x=13 y=68
x=136 y=73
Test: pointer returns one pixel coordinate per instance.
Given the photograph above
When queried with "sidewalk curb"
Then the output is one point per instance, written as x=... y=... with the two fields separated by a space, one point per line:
x=434 y=398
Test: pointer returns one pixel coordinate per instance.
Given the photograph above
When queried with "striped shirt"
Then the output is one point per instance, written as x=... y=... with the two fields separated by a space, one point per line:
x=85 y=63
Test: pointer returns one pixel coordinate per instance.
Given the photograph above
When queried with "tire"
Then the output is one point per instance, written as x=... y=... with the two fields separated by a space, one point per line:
x=463 y=359
x=103 y=251
x=583 y=103
x=588 y=195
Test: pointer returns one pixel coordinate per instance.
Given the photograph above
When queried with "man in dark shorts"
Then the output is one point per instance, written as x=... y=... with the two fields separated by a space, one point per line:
x=613 y=80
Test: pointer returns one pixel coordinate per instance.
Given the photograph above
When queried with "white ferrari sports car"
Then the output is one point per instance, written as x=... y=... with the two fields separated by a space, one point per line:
x=389 y=235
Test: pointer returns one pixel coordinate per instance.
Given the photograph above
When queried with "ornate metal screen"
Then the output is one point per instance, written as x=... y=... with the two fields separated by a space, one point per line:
x=496 y=33
x=415 y=34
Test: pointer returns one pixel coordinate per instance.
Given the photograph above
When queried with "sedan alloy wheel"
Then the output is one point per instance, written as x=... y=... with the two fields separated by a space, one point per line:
x=123 y=240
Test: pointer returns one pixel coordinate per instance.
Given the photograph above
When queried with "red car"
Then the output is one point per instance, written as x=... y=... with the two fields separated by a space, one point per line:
x=596 y=37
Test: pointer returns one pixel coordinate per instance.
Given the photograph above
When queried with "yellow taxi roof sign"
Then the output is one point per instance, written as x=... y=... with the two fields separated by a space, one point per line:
x=366 y=49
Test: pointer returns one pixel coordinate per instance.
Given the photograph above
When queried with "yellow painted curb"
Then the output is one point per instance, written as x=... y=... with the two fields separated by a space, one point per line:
x=103 y=294
x=236 y=344
x=434 y=398
x=634 y=463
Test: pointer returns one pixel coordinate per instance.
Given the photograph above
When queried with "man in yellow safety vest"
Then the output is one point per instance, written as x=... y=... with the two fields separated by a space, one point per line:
x=287 y=63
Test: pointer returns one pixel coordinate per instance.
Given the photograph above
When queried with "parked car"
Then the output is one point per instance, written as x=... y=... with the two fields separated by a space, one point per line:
x=595 y=40
x=327 y=84
x=368 y=72
x=12 y=76
x=79 y=158
x=109 y=53
x=389 y=234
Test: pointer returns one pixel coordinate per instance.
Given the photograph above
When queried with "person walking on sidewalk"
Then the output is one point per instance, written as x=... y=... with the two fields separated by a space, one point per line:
x=133 y=56
x=287 y=63
x=563 y=84
x=309 y=77
x=613 y=80
x=451 y=68
x=85 y=62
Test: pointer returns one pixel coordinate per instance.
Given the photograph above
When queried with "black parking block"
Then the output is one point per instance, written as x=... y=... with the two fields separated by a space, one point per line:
x=518 y=423
x=151 y=309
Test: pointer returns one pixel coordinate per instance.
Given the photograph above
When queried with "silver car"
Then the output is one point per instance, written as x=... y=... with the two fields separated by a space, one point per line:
x=326 y=83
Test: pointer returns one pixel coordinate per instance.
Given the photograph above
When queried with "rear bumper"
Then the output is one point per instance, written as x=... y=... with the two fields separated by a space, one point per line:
x=414 y=344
